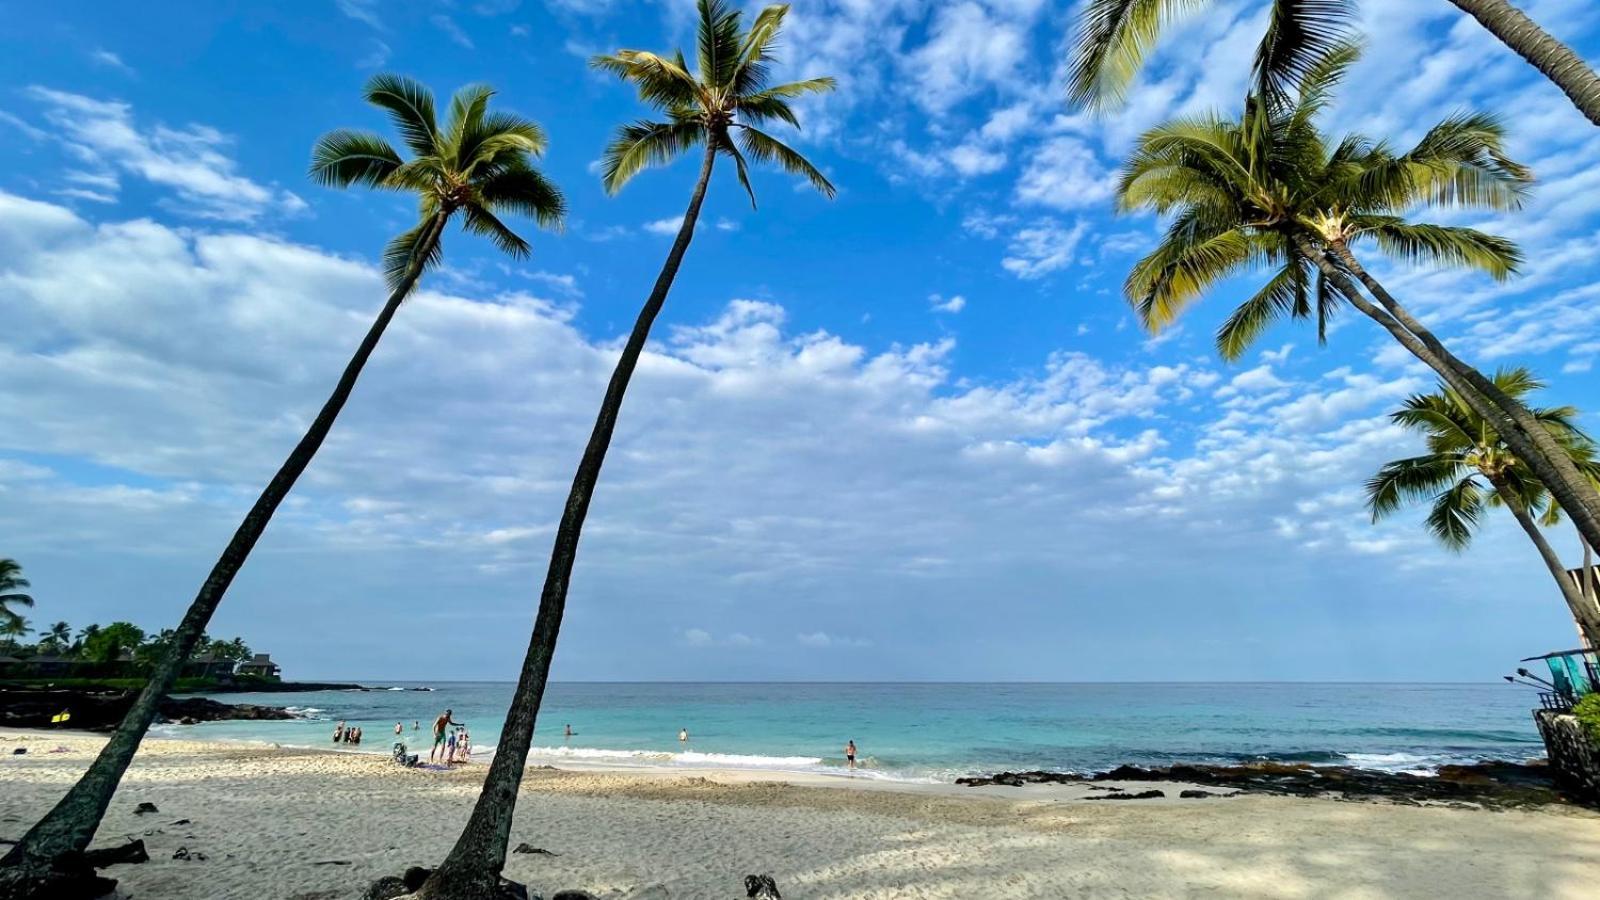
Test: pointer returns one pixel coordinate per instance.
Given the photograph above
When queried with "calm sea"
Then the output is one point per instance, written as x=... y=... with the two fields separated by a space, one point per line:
x=939 y=731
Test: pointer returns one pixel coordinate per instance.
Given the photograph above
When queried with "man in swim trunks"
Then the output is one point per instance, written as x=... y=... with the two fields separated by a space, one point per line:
x=440 y=726
x=850 y=753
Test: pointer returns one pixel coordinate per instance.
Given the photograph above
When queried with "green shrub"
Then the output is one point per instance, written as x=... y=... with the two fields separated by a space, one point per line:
x=1588 y=712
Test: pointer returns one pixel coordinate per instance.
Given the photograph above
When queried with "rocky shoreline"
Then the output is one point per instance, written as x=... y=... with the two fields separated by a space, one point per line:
x=101 y=710
x=1495 y=785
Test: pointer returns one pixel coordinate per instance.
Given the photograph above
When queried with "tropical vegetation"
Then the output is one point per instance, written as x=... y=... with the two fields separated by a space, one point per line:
x=717 y=109
x=1468 y=468
x=1302 y=37
x=1113 y=37
x=478 y=165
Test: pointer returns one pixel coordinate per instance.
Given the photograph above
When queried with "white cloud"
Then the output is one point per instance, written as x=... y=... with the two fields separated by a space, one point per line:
x=667 y=226
x=1064 y=174
x=969 y=49
x=451 y=30
x=821 y=639
x=972 y=159
x=940 y=303
x=111 y=60
x=1043 y=247
x=188 y=160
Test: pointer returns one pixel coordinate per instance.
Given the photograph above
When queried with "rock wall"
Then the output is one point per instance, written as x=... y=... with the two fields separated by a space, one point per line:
x=1574 y=756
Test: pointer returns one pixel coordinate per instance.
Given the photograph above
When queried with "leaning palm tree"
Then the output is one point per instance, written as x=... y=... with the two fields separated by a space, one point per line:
x=479 y=164
x=1465 y=454
x=1114 y=36
x=1270 y=190
x=716 y=108
x=11 y=590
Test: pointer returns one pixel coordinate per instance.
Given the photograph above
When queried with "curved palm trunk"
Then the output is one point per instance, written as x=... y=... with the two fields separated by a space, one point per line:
x=71 y=824
x=472 y=870
x=1555 y=59
x=1588 y=619
x=1531 y=442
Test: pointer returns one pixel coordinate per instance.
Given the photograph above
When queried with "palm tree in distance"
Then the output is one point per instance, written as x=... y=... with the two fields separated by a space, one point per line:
x=1270 y=190
x=1114 y=37
x=59 y=637
x=1464 y=453
x=11 y=590
x=479 y=164
x=13 y=627
x=727 y=94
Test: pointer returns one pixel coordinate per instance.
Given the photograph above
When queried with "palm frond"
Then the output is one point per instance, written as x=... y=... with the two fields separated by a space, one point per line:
x=481 y=221
x=762 y=147
x=1112 y=40
x=467 y=107
x=1302 y=35
x=662 y=83
x=526 y=192
x=1285 y=294
x=344 y=157
x=1447 y=245
x=1456 y=513
x=410 y=107
x=642 y=144
x=718 y=42
x=1410 y=479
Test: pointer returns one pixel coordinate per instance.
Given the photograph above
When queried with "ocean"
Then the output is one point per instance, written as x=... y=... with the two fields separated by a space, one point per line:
x=934 y=732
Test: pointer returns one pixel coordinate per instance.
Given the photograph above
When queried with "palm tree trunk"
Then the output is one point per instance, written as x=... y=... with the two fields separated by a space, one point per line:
x=1531 y=442
x=71 y=824
x=1555 y=59
x=472 y=870
x=1588 y=619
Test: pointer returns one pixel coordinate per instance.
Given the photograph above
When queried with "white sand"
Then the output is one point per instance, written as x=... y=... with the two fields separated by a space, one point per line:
x=266 y=817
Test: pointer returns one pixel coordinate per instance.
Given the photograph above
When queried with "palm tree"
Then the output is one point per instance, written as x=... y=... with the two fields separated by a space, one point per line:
x=728 y=95
x=1302 y=36
x=13 y=627
x=59 y=636
x=1269 y=189
x=11 y=585
x=1114 y=36
x=1464 y=453
x=479 y=164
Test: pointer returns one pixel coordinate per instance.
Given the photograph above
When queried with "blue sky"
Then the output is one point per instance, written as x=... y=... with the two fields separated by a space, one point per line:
x=911 y=433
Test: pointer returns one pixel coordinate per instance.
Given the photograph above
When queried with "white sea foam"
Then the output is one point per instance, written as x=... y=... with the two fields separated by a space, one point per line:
x=695 y=759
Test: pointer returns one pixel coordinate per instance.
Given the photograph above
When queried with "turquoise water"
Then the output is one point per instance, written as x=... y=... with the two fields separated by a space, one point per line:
x=939 y=731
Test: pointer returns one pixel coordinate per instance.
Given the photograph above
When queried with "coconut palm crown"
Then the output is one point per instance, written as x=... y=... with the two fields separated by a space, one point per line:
x=1269 y=190
x=1468 y=468
x=479 y=164
x=721 y=103
x=11 y=585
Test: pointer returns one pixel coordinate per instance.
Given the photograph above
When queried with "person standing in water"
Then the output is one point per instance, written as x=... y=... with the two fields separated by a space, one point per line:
x=850 y=753
x=683 y=735
x=569 y=730
x=440 y=726
x=398 y=728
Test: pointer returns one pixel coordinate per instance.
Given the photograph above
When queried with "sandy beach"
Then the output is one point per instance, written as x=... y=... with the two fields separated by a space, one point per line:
x=281 y=823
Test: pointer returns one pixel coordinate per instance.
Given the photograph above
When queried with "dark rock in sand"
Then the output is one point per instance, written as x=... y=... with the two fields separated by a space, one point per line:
x=529 y=848
x=144 y=808
x=386 y=888
x=1123 y=795
x=1498 y=785
x=1193 y=794
x=761 y=887
x=129 y=853
x=573 y=895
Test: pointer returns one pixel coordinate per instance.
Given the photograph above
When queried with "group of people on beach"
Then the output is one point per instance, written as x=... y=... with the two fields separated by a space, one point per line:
x=343 y=735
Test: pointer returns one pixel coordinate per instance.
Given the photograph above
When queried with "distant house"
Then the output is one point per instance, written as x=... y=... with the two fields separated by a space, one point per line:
x=260 y=666
x=50 y=665
x=208 y=665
